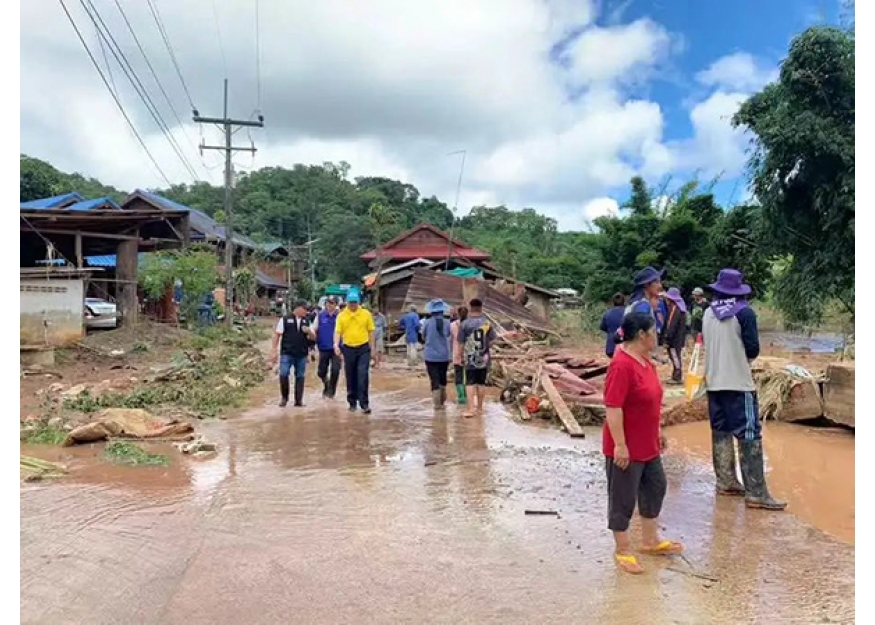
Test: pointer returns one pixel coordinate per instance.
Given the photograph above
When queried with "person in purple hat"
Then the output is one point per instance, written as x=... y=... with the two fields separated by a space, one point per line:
x=731 y=339
x=674 y=334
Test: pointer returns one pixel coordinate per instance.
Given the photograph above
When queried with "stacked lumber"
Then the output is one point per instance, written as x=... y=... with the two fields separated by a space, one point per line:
x=838 y=395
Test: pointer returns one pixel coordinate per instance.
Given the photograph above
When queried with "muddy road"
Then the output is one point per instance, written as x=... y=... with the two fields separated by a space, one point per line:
x=317 y=515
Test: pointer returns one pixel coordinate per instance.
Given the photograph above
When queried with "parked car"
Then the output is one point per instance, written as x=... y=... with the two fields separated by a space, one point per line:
x=100 y=313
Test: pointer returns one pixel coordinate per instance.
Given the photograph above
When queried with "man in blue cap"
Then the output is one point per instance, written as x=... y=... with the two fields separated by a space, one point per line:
x=730 y=334
x=354 y=331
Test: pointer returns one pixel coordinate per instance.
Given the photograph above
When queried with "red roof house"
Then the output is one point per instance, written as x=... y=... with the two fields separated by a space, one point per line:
x=428 y=242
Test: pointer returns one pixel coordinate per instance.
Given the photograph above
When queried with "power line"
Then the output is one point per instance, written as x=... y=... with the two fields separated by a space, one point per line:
x=155 y=75
x=114 y=97
x=106 y=61
x=128 y=70
x=156 y=15
x=219 y=34
x=257 y=57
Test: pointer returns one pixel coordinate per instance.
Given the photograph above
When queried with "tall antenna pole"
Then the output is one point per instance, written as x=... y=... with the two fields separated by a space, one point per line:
x=464 y=153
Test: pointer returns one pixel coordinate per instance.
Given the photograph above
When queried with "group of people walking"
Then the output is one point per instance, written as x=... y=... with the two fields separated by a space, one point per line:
x=343 y=338
x=632 y=440
x=350 y=338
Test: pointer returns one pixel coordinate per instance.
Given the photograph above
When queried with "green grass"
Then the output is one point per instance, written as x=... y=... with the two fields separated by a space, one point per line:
x=46 y=435
x=133 y=455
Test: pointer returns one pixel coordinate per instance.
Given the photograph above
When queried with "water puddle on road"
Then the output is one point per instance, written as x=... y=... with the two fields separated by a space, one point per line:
x=811 y=468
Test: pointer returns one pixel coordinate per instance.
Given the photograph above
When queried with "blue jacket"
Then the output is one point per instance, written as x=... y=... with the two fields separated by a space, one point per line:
x=611 y=322
x=410 y=324
x=437 y=343
x=642 y=305
x=325 y=331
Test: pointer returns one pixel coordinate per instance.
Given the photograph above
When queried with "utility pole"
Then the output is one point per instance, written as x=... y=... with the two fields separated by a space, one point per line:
x=226 y=124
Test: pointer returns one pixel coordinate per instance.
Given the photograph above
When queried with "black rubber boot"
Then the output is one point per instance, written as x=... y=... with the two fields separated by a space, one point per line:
x=436 y=399
x=753 y=471
x=284 y=392
x=723 y=455
x=443 y=396
x=299 y=391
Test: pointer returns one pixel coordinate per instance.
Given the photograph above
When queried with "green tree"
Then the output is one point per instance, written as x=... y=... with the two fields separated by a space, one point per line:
x=196 y=267
x=802 y=169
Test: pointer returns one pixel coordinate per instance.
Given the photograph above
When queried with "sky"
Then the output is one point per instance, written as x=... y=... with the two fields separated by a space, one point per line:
x=555 y=103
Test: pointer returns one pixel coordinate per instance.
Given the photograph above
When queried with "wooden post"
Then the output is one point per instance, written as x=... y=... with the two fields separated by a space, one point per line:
x=126 y=274
x=79 y=261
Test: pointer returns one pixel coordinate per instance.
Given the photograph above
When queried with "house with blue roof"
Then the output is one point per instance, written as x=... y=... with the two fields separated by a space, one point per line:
x=93 y=242
x=272 y=273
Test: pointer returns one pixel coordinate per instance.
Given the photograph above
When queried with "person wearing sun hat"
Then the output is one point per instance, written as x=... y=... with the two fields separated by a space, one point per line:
x=647 y=298
x=436 y=335
x=731 y=340
x=674 y=334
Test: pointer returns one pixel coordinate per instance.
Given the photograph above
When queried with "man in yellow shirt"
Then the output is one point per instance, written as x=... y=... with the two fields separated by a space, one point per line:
x=354 y=341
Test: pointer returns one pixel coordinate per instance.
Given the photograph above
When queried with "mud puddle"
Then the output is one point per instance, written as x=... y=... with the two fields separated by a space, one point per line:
x=811 y=468
x=402 y=516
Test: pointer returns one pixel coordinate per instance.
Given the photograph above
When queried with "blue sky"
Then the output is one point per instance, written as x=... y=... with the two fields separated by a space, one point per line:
x=708 y=31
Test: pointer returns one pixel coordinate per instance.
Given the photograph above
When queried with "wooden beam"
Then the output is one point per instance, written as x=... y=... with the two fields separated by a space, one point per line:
x=79 y=260
x=93 y=235
x=568 y=420
x=126 y=272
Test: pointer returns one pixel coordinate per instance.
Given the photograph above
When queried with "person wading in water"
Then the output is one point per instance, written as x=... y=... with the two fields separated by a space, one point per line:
x=436 y=334
x=329 y=362
x=632 y=443
x=291 y=342
x=353 y=340
x=731 y=339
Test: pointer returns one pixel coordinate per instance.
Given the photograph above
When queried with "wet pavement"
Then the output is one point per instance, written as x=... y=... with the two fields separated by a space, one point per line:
x=317 y=515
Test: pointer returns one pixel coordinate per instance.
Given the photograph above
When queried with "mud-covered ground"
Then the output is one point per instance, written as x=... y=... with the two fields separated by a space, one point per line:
x=317 y=515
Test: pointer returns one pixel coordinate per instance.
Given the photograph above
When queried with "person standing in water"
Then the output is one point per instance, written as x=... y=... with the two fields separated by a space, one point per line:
x=291 y=341
x=611 y=322
x=436 y=334
x=632 y=443
x=329 y=362
x=354 y=340
x=458 y=361
x=731 y=339
x=476 y=335
x=410 y=324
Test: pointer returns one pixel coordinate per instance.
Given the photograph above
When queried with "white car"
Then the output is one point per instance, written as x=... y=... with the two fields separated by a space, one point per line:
x=100 y=313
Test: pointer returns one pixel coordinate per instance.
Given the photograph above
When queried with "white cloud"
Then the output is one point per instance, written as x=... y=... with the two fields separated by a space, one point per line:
x=737 y=72
x=617 y=52
x=392 y=87
x=601 y=207
x=716 y=147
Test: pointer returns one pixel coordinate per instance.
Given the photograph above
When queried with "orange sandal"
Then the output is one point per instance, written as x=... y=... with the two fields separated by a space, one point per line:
x=663 y=548
x=628 y=564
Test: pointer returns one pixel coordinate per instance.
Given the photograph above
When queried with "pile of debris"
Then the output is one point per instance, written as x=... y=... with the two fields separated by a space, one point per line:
x=552 y=385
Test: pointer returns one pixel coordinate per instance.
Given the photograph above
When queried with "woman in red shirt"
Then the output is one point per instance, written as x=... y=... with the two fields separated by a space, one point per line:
x=632 y=442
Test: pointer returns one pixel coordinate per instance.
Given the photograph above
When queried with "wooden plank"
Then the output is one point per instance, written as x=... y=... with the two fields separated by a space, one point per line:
x=561 y=407
x=838 y=393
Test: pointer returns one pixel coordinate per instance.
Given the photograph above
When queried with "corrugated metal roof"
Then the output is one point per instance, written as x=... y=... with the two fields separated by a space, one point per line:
x=198 y=221
x=54 y=201
x=87 y=205
x=426 y=285
x=432 y=251
x=266 y=281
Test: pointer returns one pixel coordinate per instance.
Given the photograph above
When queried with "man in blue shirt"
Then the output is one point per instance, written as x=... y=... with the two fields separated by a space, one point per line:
x=410 y=324
x=323 y=325
x=611 y=322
